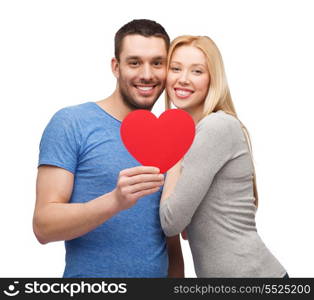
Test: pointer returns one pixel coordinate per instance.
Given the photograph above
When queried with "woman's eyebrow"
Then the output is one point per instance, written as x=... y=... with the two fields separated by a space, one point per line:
x=196 y=65
x=193 y=65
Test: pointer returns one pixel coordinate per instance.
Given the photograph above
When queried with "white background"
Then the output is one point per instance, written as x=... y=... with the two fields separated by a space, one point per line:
x=57 y=53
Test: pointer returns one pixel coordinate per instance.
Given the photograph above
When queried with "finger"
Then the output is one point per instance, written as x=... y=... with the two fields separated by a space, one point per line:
x=145 y=178
x=144 y=186
x=139 y=170
x=145 y=192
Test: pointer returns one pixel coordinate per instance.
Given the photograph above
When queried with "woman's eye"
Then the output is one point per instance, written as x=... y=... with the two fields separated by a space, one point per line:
x=198 y=72
x=175 y=69
x=157 y=63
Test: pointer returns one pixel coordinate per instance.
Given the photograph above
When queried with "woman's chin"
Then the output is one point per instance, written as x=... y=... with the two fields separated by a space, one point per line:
x=180 y=105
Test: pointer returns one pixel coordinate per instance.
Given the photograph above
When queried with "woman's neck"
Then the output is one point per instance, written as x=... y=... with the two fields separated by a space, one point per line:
x=196 y=113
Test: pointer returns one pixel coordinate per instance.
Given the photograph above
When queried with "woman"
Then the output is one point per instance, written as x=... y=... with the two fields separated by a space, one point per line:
x=212 y=193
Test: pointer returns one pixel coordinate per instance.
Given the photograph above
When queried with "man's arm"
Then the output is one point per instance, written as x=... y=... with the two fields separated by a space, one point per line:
x=55 y=219
x=176 y=262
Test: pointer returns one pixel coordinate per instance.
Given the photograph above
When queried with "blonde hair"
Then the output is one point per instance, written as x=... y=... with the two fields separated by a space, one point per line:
x=218 y=96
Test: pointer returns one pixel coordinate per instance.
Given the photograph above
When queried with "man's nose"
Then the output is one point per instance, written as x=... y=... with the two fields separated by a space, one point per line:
x=147 y=72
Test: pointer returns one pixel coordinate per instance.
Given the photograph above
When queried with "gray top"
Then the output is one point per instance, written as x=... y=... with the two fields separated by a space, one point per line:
x=214 y=200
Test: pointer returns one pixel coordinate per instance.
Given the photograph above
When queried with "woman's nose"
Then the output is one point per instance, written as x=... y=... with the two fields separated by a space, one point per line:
x=184 y=79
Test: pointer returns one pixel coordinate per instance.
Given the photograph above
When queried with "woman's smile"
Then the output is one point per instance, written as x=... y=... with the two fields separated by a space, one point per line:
x=188 y=79
x=183 y=93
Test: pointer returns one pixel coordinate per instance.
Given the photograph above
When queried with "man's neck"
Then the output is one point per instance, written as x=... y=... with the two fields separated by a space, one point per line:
x=115 y=106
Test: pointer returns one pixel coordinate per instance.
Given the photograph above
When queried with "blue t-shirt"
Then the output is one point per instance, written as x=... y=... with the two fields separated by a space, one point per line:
x=85 y=140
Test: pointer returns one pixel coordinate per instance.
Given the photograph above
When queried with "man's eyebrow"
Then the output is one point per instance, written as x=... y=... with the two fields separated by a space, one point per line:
x=132 y=57
x=153 y=58
x=159 y=58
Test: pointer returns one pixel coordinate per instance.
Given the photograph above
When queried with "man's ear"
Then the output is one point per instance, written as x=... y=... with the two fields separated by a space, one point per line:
x=115 y=67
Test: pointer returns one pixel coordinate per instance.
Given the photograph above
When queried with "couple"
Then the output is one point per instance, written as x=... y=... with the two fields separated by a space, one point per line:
x=93 y=194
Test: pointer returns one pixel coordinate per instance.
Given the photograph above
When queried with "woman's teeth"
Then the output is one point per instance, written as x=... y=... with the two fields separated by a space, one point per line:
x=183 y=93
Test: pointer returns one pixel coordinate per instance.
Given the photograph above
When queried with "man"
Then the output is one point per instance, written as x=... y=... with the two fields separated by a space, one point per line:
x=90 y=191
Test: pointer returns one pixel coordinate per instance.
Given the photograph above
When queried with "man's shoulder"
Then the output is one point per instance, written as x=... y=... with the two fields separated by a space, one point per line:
x=74 y=113
x=75 y=110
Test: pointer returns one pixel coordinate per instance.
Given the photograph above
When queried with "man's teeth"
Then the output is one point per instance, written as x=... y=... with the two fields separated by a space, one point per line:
x=145 y=88
x=183 y=93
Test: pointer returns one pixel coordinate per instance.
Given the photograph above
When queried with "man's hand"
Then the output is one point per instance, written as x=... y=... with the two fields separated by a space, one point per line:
x=135 y=183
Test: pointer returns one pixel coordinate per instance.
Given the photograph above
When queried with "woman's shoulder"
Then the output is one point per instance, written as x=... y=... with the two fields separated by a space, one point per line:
x=221 y=128
x=219 y=121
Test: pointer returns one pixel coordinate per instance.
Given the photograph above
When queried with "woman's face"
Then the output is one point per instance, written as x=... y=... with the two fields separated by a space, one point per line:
x=188 y=78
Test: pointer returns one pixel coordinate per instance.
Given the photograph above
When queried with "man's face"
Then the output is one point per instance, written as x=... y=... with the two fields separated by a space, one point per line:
x=141 y=72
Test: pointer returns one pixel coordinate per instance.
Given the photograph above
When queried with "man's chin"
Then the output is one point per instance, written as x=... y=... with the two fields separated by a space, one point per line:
x=135 y=101
x=141 y=103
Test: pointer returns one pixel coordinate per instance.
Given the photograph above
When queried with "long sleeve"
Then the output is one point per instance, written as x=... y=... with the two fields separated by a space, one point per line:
x=211 y=149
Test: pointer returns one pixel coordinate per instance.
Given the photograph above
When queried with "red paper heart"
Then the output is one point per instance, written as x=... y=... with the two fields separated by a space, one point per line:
x=159 y=142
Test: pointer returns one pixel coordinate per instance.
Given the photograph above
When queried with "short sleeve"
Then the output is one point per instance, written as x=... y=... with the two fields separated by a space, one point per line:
x=59 y=145
x=211 y=149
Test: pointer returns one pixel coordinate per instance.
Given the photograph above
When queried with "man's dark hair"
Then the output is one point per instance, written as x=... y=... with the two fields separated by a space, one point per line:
x=144 y=27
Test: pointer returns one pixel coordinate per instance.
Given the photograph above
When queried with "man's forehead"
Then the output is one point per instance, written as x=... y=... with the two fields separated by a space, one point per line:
x=140 y=46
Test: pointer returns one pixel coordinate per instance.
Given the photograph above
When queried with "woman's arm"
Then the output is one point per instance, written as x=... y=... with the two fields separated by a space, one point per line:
x=211 y=149
x=171 y=179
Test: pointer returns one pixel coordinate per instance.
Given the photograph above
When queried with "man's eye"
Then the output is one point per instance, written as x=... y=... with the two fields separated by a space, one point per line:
x=134 y=63
x=157 y=63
